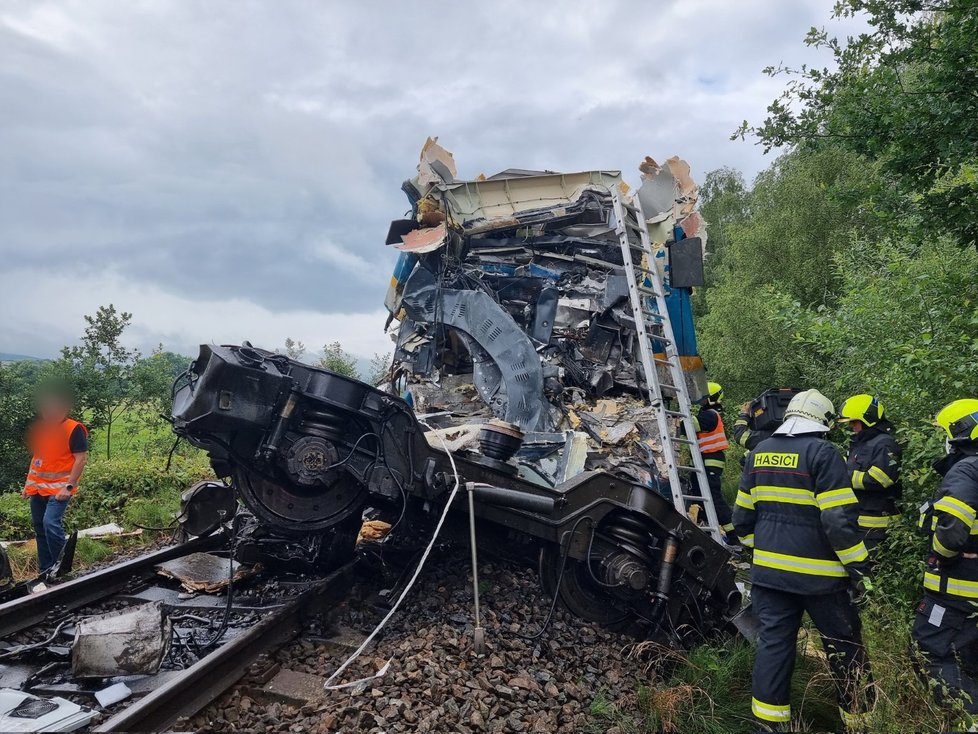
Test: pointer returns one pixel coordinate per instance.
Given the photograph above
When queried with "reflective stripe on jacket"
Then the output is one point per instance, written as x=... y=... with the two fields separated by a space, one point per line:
x=953 y=527
x=874 y=469
x=745 y=436
x=796 y=507
x=51 y=460
x=710 y=433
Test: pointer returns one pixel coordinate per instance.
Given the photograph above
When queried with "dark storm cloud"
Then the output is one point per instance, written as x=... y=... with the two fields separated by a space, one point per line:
x=211 y=151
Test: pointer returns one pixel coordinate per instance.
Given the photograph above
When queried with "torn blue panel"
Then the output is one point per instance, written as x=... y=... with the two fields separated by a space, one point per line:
x=402 y=269
x=541 y=272
x=498 y=268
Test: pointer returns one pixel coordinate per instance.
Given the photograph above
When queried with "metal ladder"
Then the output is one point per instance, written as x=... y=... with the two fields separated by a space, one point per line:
x=653 y=323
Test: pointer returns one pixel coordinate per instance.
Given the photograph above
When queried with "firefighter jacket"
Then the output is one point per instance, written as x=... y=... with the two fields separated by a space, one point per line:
x=796 y=508
x=952 y=569
x=743 y=435
x=711 y=436
x=51 y=457
x=874 y=469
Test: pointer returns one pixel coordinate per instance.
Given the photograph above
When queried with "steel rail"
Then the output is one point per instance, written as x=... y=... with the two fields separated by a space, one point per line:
x=210 y=676
x=28 y=611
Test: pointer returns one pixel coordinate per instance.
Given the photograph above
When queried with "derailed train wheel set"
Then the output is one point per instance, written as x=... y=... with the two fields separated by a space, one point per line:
x=612 y=550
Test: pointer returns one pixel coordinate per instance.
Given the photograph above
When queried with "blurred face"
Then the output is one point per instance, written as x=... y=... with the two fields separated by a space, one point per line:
x=53 y=408
x=856 y=426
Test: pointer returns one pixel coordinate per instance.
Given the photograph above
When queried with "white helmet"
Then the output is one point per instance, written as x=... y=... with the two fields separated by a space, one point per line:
x=813 y=406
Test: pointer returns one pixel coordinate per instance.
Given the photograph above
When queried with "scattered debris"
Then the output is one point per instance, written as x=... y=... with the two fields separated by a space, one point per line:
x=101 y=531
x=22 y=712
x=290 y=686
x=113 y=694
x=126 y=643
x=205 y=572
x=373 y=530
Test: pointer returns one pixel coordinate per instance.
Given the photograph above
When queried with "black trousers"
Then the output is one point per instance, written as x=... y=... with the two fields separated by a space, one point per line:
x=946 y=637
x=837 y=620
x=724 y=513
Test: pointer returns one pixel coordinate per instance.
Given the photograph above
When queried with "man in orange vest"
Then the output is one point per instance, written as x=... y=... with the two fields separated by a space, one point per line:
x=59 y=451
x=712 y=439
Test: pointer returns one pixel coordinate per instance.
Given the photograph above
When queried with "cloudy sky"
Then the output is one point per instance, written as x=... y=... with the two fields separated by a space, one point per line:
x=227 y=169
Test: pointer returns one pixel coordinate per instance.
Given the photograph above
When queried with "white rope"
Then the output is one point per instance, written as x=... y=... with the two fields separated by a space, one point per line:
x=417 y=572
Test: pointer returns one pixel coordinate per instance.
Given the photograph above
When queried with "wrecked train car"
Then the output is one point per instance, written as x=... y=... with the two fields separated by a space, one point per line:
x=511 y=303
x=515 y=379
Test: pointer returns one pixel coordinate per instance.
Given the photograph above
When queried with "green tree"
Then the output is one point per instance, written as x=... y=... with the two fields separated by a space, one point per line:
x=151 y=386
x=101 y=369
x=802 y=210
x=17 y=385
x=380 y=367
x=724 y=203
x=903 y=94
x=294 y=349
x=335 y=359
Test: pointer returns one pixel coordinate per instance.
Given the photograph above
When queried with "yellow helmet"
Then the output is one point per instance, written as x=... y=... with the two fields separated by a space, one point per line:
x=714 y=393
x=863 y=408
x=960 y=420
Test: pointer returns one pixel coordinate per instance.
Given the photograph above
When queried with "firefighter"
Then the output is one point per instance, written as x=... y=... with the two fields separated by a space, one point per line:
x=874 y=466
x=742 y=432
x=945 y=626
x=712 y=439
x=797 y=510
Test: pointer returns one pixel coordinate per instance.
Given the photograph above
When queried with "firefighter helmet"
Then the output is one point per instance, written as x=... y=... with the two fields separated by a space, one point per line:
x=960 y=420
x=714 y=393
x=866 y=409
x=814 y=406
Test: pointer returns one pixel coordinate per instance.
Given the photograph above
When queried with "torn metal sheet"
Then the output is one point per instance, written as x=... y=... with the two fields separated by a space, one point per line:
x=513 y=304
x=424 y=240
x=124 y=643
x=436 y=165
x=204 y=572
x=481 y=206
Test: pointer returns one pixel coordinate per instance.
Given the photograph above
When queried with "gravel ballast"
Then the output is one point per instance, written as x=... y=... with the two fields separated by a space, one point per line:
x=576 y=678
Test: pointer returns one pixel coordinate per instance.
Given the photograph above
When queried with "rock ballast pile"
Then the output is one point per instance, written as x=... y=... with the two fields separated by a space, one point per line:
x=437 y=684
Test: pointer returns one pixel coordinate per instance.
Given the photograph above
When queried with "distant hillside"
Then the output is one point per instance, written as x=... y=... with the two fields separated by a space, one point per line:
x=7 y=357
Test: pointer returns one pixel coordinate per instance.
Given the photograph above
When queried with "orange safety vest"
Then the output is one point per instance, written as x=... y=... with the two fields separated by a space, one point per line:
x=52 y=460
x=712 y=441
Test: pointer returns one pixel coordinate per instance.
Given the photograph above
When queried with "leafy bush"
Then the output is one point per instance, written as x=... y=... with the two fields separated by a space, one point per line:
x=15 y=517
x=128 y=490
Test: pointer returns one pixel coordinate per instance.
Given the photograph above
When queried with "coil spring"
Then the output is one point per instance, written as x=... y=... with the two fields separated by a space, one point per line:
x=633 y=534
x=323 y=424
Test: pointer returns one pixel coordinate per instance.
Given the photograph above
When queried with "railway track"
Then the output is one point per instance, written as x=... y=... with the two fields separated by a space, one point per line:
x=260 y=616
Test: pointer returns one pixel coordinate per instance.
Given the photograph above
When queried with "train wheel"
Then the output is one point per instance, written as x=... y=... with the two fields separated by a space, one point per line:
x=578 y=591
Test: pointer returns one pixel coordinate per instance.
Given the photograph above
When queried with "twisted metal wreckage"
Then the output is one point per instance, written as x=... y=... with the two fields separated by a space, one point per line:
x=515 y=377
x=512 y=304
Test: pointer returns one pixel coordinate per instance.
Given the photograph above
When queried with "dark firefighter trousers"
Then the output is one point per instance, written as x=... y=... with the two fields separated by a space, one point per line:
x=724 y=513
x=837 y=620
x=946 y=638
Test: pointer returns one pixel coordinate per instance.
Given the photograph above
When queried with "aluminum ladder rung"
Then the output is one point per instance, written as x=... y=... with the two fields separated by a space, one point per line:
x=676 y=414
x=650 y=291
x=684 y=467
